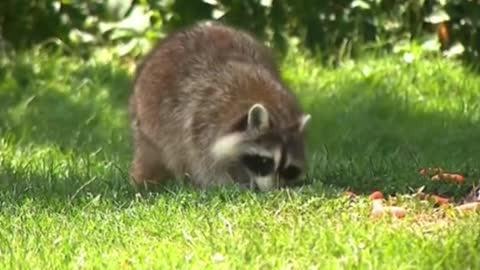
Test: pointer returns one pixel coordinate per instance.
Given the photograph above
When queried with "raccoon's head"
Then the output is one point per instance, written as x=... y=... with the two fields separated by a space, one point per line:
x=269 y=156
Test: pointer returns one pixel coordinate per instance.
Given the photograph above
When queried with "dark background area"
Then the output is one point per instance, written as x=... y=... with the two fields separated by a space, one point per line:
x=333 y=28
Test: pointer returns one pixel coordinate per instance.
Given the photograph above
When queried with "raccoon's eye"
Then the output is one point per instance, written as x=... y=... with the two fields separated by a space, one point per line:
x=258 y=164
x=291 y=172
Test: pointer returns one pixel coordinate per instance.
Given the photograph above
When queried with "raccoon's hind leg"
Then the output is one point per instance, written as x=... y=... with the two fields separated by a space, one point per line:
x=147 y=168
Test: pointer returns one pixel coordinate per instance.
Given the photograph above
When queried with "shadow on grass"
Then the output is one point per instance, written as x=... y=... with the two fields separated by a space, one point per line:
x=72 y=186
x=369 y=136
x=78 y=108
x=365 y=136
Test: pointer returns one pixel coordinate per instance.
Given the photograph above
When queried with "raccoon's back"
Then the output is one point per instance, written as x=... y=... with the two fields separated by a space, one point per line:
x=203 y=46
x=187 y=66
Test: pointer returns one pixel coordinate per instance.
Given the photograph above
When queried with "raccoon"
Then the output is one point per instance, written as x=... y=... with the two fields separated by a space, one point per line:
x=473 y=195
x=208 y=104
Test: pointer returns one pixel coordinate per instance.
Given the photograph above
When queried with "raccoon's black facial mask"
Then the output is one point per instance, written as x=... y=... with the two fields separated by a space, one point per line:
x=290 y=173
x=263 y=166
x=259 y=165
x=271 y=155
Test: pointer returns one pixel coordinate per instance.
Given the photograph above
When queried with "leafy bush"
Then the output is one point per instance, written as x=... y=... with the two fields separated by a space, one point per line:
x=336 y=28
x=79 y=25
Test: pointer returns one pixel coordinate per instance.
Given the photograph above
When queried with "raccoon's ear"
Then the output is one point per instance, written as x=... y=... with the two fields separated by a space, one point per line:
x=304 y=120
x=257 y=117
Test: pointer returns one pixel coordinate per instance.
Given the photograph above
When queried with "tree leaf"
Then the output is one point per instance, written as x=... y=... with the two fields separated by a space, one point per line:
x=138 y=21
x=456 y=50
x=266 y=3
x=117 y=9
x=360 y=4
x=79 y=36
x=437 y=17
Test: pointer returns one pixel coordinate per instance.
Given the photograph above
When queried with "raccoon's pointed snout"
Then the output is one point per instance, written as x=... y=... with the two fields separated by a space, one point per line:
x=265 y=183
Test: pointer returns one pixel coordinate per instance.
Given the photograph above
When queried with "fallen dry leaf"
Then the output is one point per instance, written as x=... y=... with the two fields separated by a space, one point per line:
x=449 y=176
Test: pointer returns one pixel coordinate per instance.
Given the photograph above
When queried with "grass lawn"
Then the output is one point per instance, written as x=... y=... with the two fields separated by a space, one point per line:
x=65 y=202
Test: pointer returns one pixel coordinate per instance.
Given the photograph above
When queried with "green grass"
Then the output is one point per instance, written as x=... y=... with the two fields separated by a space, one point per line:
x=65 y=201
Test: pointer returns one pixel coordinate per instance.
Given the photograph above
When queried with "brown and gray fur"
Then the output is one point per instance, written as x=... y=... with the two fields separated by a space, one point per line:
x=209 y=99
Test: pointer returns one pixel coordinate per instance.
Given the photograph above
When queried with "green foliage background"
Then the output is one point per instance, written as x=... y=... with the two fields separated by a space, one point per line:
x=335 y=28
